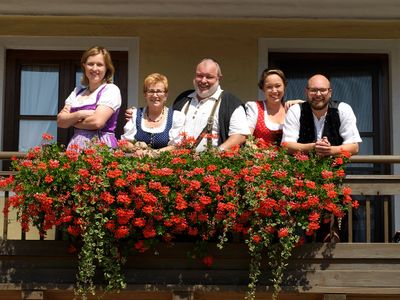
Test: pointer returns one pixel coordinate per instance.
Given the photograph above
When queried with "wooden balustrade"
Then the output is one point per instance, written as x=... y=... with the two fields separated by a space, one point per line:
x=377 y=187
x=44 y=270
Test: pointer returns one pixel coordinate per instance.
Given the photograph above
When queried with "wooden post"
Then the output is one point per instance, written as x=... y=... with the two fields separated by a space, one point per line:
x=386 y=218
x=368 y=218
x=5 y=222
x=350 y=225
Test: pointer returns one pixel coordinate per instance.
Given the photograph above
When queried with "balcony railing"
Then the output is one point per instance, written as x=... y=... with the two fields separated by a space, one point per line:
x=37 y=269
x=375 y=187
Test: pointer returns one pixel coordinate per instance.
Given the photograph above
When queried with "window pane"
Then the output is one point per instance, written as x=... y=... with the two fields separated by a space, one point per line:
x=356 y=90
x=39 y=90
x=366 y=148
x=296 y=86
x=30 y=133
x=78 y=77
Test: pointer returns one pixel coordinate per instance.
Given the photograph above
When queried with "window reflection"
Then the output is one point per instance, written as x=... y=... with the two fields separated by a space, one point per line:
x=39 y=90
x=30 y=133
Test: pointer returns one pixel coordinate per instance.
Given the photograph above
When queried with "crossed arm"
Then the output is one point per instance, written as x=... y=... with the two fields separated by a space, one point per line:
x=84 y=119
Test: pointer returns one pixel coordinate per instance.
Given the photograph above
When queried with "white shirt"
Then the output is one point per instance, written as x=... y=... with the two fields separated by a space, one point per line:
x=348 y=124
x=110 y=96
x=178 y=119
x=252 y=116
x=198 y=113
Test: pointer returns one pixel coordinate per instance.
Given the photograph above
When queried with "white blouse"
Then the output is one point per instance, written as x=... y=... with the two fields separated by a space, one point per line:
x=252 y=117
x=110 y=96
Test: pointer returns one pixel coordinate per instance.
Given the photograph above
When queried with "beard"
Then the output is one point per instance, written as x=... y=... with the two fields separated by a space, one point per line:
x=319 y=105
x=203 y=94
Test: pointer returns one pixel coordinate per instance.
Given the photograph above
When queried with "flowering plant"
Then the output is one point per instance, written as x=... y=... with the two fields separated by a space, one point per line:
x=112 y=203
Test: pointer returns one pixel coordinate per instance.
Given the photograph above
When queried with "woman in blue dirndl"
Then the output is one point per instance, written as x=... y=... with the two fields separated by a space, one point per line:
x=156 y=126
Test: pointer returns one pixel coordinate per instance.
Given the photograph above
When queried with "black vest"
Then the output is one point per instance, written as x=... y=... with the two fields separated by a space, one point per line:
x=331 y=125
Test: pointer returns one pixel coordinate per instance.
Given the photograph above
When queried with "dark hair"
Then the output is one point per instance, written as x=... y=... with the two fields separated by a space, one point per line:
x=107 y=60
x=268 y=72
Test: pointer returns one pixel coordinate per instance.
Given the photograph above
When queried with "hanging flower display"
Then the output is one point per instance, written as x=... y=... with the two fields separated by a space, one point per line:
x=111 y=203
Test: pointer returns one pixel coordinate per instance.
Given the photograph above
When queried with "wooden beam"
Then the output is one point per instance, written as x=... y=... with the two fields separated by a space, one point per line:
x=377 y=159
x=32 y=295
x=373 y=184
x=334 y=297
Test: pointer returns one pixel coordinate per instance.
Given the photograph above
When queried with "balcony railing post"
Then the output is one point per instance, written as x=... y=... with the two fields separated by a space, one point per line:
x=386 y=218
x=368 y=218
x=350 y=225
x=5 y=220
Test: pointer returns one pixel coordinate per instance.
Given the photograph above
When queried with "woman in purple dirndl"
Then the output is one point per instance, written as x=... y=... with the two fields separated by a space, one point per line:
x=93 y=110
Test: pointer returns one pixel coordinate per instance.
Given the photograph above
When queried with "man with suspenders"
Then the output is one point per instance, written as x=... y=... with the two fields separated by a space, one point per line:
x=213 y=117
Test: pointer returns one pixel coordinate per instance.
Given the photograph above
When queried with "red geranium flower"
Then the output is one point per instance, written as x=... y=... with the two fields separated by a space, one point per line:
x=283 y=232
x=208 y=260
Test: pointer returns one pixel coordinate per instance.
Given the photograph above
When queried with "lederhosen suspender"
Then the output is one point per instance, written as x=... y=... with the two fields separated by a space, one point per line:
x=208 y=128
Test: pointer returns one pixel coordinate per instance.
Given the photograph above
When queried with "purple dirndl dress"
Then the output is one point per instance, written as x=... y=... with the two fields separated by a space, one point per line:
x=106 y=135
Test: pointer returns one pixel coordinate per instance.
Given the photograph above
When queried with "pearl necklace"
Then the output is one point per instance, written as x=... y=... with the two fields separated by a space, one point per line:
x=155 y=120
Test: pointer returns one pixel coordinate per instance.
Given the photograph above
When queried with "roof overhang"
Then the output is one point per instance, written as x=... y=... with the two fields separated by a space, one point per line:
x=309 y=9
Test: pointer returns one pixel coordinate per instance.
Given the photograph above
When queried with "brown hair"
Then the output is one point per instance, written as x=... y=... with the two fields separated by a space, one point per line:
x=268 y=72
x=107 y=60
x=155 y=78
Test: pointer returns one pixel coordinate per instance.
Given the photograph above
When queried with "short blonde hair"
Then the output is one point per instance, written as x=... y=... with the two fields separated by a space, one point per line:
x=155 y=78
